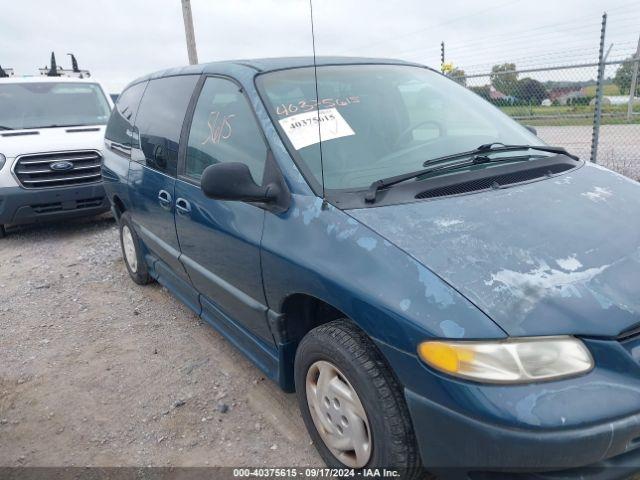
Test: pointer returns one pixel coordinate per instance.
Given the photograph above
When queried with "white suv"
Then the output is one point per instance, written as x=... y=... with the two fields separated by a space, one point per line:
x=51 y=141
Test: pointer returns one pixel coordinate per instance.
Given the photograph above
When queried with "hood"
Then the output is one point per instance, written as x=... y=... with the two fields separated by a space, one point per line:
x=556 y=256
x=19 y=142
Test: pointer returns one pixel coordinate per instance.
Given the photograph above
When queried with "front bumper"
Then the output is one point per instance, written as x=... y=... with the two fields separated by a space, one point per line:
x=19 y=205
x=464 y=447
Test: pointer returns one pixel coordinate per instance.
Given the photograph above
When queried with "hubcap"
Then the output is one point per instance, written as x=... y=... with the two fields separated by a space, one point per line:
x=338 y=414
x=129 y=249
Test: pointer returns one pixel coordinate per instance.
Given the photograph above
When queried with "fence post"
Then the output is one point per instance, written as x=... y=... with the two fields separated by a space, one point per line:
x=597 y=114
x=634 y=82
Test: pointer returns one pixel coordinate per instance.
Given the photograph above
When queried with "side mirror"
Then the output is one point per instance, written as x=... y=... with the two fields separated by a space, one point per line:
x=531 y=129
x=233 y=181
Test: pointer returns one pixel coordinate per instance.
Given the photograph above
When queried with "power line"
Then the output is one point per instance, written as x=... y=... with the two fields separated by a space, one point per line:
x=520 y=39
x=432 y=26
x=564 y=25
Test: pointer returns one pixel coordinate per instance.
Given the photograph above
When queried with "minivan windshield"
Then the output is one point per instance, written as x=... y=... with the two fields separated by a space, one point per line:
x=378 y=121
x=52 y=104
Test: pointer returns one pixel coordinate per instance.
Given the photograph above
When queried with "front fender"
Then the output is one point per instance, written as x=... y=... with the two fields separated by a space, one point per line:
x=319 y=250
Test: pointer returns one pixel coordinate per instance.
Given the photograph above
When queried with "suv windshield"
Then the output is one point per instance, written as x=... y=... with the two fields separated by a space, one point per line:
x=379 y=121
x=51 y=104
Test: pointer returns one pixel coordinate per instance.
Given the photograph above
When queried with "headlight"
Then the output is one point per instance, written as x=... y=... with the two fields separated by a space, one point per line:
x=2 y=160
x=517 y=360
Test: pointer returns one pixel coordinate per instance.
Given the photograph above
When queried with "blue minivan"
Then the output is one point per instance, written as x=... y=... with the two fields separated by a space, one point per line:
x=442 y=290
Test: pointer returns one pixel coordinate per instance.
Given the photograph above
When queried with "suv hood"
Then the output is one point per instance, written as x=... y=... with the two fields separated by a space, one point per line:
x=19 y=142
x=556 y=256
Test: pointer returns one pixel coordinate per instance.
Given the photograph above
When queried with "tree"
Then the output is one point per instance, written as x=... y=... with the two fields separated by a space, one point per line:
x=623 y=77
x=504 y=78
x=531 y=90
x=455 y=73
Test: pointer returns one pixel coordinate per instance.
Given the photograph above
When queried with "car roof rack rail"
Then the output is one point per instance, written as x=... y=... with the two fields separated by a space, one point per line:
x=6 y=72
x=55 y=71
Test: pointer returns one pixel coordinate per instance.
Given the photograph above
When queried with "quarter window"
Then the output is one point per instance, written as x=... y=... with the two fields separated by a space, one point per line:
x=224 y=129
x=160 y=119
x=120 y=126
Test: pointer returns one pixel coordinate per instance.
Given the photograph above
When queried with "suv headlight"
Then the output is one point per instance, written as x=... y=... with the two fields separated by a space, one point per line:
x=515 y=360
x=3 y=159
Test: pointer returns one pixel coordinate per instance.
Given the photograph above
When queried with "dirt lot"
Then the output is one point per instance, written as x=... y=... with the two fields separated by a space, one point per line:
x=98 y=371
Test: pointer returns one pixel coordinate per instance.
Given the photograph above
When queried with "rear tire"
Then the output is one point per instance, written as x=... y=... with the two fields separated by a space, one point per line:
x=132 y=251
x=351 y=403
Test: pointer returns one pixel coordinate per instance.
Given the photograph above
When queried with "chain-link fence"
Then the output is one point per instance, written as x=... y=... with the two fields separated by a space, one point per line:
x=588 y=108
x=619 y=123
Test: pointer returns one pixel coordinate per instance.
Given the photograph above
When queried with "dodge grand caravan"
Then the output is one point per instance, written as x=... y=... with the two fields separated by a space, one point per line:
x=51 y=138
x=440 y=288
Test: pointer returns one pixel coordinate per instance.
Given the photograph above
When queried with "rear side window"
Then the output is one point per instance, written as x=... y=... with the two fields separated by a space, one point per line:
x=120 y=126
x=224 y=129
x=160 y=118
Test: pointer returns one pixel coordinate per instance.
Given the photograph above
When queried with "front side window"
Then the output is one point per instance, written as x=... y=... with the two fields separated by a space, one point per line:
x=51 y=104
x=378 y=121
x=160 y=118
x=224 y=129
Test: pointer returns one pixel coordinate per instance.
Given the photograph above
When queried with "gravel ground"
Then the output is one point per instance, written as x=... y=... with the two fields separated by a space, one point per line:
x=98 y=371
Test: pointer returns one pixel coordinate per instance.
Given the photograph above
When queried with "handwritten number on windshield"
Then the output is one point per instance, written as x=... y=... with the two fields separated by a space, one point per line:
x=306 y=105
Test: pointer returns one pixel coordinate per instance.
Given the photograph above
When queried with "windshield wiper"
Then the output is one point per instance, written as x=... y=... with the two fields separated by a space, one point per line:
x=65 y=126
x=2 y=127
x=479 y=155
x=491 y=148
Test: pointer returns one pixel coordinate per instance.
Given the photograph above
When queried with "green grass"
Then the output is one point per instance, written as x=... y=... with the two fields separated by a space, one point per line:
x=609 y=89
x=562 y=115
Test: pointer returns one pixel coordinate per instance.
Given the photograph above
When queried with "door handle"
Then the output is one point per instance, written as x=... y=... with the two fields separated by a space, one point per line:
x=164 y=198
x=183 y=206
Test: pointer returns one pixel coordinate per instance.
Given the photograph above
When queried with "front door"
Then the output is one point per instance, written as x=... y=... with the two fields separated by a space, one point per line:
x=220 y=240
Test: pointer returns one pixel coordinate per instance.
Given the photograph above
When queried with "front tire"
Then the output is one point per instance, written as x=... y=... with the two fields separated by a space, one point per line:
x=351 y=403
x=132 y=251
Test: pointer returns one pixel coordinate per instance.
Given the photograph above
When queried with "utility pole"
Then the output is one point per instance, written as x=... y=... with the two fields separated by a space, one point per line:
x=634 y=82
x=188 y=30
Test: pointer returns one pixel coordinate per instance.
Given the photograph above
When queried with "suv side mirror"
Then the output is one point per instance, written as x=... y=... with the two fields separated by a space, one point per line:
x=233 y=181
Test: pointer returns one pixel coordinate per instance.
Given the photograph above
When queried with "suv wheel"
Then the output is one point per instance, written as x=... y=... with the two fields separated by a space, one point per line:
x=131 y=251
x=351 y=403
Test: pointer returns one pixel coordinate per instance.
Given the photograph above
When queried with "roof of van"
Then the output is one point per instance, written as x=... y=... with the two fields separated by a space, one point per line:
x=268 y=64
x=45 y=79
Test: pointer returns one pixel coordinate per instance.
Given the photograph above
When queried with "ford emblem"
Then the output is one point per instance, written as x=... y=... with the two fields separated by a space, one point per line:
x=61 y=166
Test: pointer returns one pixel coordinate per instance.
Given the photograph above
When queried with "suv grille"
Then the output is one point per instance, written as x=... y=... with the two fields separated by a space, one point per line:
x=58 y=169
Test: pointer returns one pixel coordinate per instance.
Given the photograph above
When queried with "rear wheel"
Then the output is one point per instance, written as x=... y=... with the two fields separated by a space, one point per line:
x=132 y=253
x=351 y=403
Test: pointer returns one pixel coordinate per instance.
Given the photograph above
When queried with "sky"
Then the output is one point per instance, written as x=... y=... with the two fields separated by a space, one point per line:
x=120 y=40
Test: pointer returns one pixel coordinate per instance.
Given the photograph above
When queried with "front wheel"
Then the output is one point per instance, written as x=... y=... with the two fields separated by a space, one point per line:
x=351 y=403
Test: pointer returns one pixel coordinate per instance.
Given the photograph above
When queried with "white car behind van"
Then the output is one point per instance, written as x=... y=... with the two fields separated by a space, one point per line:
x=51 y=141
